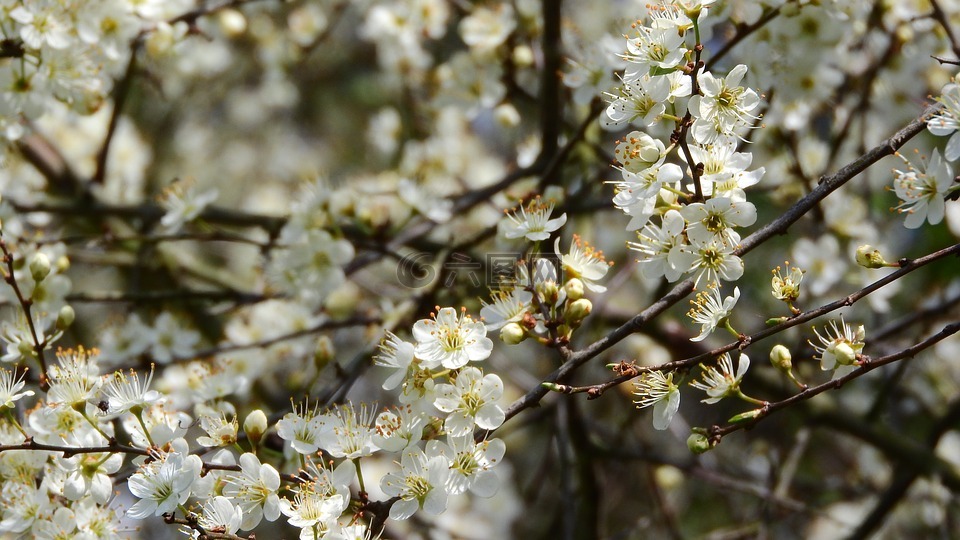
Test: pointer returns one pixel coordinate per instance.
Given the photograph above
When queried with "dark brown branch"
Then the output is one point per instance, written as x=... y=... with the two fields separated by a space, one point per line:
x=68 y=451
x=867 y=364
x=779 y=226
x=120 y=93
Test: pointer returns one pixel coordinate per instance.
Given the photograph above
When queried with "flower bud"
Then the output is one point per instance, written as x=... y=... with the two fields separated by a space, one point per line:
x=512 y=334
x=506 y=115
x=845 y=354
x=698 y=443
x=574 y=289
x=342 y=301
x=549 y=292
x=65 y=318
x=578 y=310
x=638 y=151
x=523 y=56
x=255 y=425
x=232 y=22
x=868 y=257
x=39 y=267
x=62 y=264
x=781 y=358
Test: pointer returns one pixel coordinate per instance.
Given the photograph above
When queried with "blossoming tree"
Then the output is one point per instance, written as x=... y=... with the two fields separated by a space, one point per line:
x=338 y=269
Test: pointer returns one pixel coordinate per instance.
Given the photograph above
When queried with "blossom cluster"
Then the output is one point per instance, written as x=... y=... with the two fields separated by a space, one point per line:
x=163 y=179
x=69 y=52
x=684 y=227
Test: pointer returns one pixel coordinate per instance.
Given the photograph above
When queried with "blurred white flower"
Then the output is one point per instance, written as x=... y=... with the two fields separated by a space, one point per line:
x=183 y=203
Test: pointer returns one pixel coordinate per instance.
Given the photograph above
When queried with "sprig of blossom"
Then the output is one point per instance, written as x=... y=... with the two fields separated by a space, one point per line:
x=184 y=202
x=254 y=491
x=709 y=310
x=724 y=382
x=585 y=263
x=532 y=222
x=922 y=192
x=10 y=388
x=947 y=121
x=839 y=347
x=656 y=389
x=421 y=483
x=164 y=483
x=471 y=401
x=451 y=340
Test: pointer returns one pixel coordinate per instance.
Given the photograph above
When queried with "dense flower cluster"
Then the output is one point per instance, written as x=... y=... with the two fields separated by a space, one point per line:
x=247 y=204
x=698 y=218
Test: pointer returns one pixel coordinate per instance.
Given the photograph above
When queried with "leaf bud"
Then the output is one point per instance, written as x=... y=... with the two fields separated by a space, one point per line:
x=698 y=443
x=868 y=257
x=743 y=417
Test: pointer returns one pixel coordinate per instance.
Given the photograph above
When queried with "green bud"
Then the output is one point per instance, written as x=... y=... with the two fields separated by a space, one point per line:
x=554 y=387
x=255 y=425
x=868 y=257
x=574 y=289
x=578 y=310
x=698 y=443
x=39 y=267
x=512 y=333
x=777 y=320
x=65 y=318
x=743 y=417
x=781 y=358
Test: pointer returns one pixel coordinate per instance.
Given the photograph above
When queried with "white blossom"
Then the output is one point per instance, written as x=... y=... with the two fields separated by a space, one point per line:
x=471 y=400
x=451 y=340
